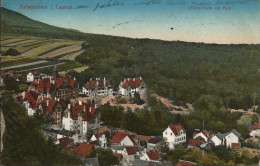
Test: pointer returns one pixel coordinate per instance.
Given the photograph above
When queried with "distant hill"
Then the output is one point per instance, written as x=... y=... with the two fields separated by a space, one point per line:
x=15 y=23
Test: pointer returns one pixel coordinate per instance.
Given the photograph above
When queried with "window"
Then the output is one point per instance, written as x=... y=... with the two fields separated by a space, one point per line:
x=165 y=133
x=171 y=133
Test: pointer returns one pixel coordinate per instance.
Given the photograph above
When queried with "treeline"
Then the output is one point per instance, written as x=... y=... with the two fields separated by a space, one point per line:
x=24 y=143
x=178 y=70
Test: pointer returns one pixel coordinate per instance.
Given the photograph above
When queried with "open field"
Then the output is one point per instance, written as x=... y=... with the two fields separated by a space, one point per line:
x=72 y=56
x=62 y=51
x=24 y=65
x=8 y=41
x=19 y=43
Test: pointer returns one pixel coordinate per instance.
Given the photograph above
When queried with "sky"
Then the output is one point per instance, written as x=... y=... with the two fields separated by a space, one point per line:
x=208 y=21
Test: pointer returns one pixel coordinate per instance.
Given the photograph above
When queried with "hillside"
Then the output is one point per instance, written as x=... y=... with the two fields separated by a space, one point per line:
x=16 y=23
x=224 y=75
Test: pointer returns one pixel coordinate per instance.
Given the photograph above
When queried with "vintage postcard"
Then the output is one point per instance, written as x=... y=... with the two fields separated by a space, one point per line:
x=130 y=82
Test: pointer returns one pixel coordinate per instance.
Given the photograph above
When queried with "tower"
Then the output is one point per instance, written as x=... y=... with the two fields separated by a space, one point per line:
x=55 y=72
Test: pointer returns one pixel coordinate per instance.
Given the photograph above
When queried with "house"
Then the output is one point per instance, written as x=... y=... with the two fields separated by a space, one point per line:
x=152 y=155
x=81 y=117
x=65 y=142
x=32 y=76
x=11 y=73
x=185 y=163
x=56 y=86
x=97 y=88
x=174 y=135
x=142 y=140
x=154 y=143
x=30 y=102
x=130 y=154
x=84 y=150
x=130 y=86
x=100 y=138
x=196 y=143
x=255 y=130
x=226 y=139
x=121 y=138
x=205 y=135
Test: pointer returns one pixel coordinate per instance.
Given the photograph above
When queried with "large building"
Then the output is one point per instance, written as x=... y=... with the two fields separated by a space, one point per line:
x=130 y=86
x=81 y=117
x=97 y=88
x=174 y=135
x=56 y=86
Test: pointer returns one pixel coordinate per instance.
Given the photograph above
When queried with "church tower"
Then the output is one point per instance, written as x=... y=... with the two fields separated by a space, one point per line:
x=55 y=72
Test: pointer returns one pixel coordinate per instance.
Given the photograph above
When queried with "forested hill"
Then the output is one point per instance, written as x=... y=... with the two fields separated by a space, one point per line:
x=224 y=75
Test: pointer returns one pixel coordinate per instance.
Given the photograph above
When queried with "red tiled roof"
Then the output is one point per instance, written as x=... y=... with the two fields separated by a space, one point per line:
x=10 y=72
x=185 y=163
x=84 y=149
x=132 y=83
x=153 y=140
x=31 y=97
x=119 y=136
x=63 y=103
x=35 y=72
x=235 y=145
x=206 y=133
x=176 y=128
x=88 y=113
x=118 y=155
x=48 y=109
x=255 y=126
x=44 y=85
x=195 y=133
x=19 y=75
x=65 y=142
x=60 y=80
x=98 y=135
x=131 y=150
x=153 y=155
x=101 y=83
x=194 y=142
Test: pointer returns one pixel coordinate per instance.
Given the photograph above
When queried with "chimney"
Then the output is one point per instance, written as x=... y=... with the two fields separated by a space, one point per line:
x=68 y=106
x=80 y=102
x=23 y=94
x=104 y=81
x=47 y=102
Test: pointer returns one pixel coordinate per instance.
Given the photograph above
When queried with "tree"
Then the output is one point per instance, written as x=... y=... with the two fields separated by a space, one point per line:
x=211 y=159
x=106 y=157
x=245 y=120
x=137 y=99
x=12 y=52
x=193 y=155
x=254 y=119
x=11 y=84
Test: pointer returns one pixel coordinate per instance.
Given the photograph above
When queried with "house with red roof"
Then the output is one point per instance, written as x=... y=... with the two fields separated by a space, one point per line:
x=152 y=155
x=98 y=88
x=186 y=163
x=130 y=153
x=122 y=138
x=80 y=117
x=84 y=150
x=130 y=86
x=154 y=143
x=32 y=76
x=65 y=142
x=174 y=135
x=255 y=130
x=203 y=134
x=30 y=102
x=100 y=138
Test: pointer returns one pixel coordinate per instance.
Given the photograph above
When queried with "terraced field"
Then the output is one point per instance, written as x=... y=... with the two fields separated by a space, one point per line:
x=40 y=52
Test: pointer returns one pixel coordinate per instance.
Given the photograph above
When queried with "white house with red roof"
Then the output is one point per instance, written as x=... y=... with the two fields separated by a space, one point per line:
x=174 y=135
x=97 y=88
x=121 y=138
x=80 y=117
x=100 y=138
x=255 y=130
x=130 y=86
x=203 y=134
x=32 y=76
x=152 y=155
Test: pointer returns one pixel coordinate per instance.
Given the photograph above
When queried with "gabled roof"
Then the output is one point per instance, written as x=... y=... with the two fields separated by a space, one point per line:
x=84 y=149
x=31 y=97
x=60 y=80
x=235 y=145
x=35 y=72
x=143 y=138
x=133 y=83
x=194 y=142
x=98 y=135
x=44 y=85
x=153 y=140
x=48 y=108
x=88 y=112
x=99 y=83
x=185 y=163
x=153 y=155
x=234 y=131
x=132 y=150
x=65 y=142
x=255 y=126
x=118 y=155
x=119 y=136
x=176 y=128
x=10 y=72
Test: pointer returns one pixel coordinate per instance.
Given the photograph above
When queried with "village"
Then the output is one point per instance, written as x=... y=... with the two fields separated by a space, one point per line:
x=75 y=125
